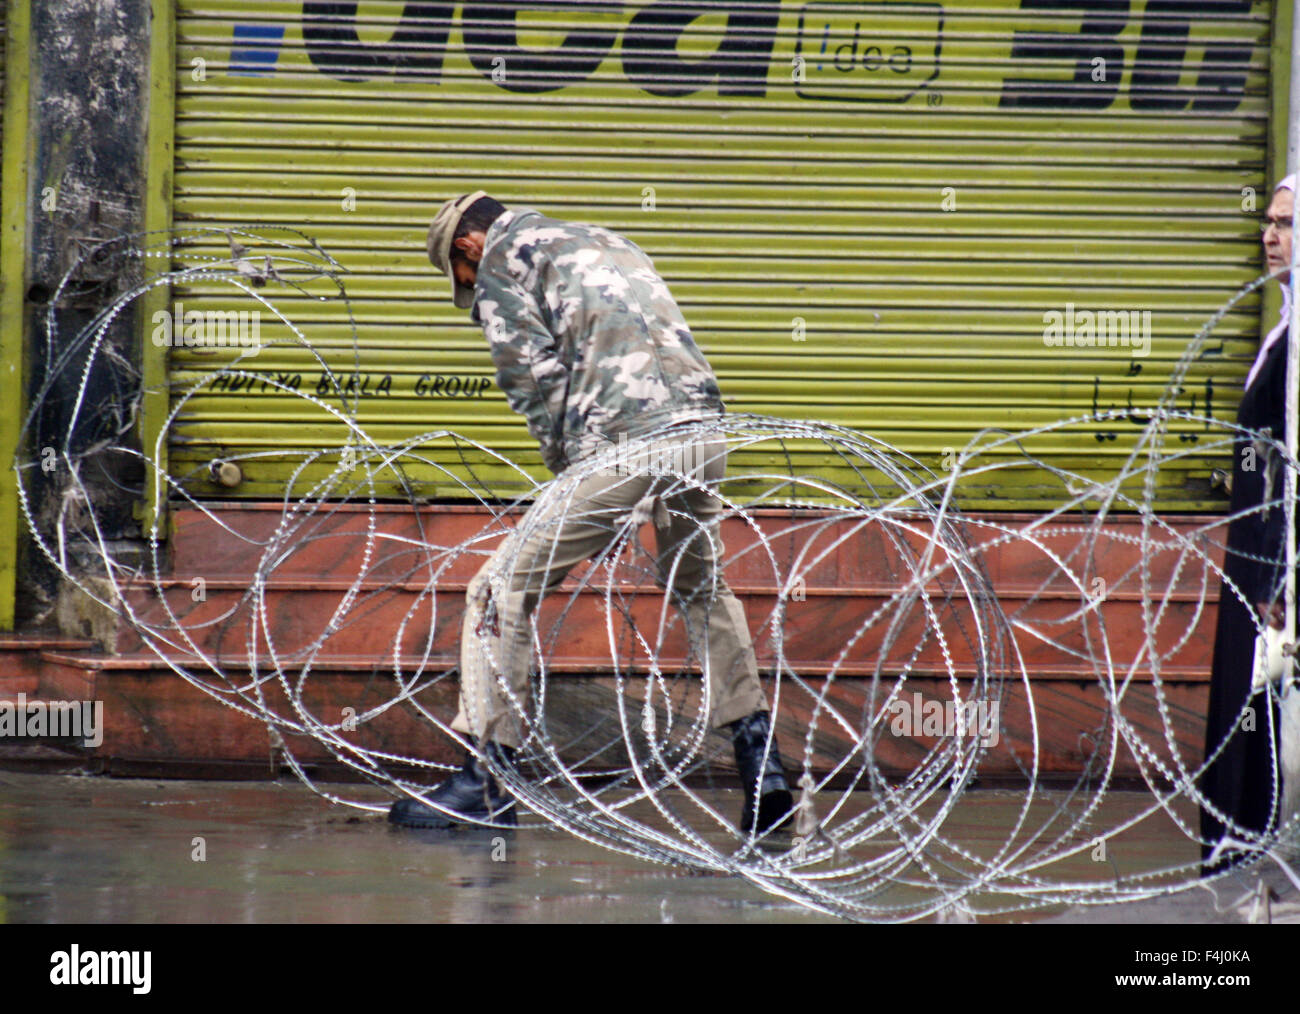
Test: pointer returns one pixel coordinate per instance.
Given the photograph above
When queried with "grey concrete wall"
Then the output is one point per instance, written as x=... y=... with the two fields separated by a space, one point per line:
x=89 y=93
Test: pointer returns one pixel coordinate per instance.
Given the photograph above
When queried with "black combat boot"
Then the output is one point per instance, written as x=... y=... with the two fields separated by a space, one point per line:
x=471 y=792
x=775 y=804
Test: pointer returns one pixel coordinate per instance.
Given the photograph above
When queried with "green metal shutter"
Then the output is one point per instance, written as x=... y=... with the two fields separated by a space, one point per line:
x=867 y=211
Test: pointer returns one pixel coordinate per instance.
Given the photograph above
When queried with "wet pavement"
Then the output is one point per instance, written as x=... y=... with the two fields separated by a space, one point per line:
x=101 y=850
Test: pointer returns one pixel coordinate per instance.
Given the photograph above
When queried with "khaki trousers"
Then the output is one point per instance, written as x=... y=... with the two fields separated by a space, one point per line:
x=577 y=519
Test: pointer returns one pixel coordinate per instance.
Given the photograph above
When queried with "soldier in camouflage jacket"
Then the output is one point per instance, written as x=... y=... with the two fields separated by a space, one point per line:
x=590 y=348
x=587 y=340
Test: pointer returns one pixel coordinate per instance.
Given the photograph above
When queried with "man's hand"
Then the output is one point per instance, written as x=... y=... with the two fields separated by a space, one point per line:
x=1272 y=613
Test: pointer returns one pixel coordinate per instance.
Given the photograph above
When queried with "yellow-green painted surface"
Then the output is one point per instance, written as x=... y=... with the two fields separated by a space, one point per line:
x=14 y=22
x=159 y=170
x=867 y=211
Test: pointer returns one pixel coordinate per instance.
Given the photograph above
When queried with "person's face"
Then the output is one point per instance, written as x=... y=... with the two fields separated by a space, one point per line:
x=1277 y=237
x=465 y=267
x=466 y=273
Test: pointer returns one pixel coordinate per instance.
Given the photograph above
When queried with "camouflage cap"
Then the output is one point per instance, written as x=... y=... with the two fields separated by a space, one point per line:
x=439 y=243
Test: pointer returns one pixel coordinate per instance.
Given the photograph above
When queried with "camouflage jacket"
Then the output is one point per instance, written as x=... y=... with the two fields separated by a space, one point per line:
x=586 y=338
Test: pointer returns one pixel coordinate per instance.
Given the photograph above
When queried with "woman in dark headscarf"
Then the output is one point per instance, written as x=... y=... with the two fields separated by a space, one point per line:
x=1243 y=783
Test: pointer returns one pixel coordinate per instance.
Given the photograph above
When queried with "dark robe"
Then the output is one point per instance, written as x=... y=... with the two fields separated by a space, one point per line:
x=1243 y=782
